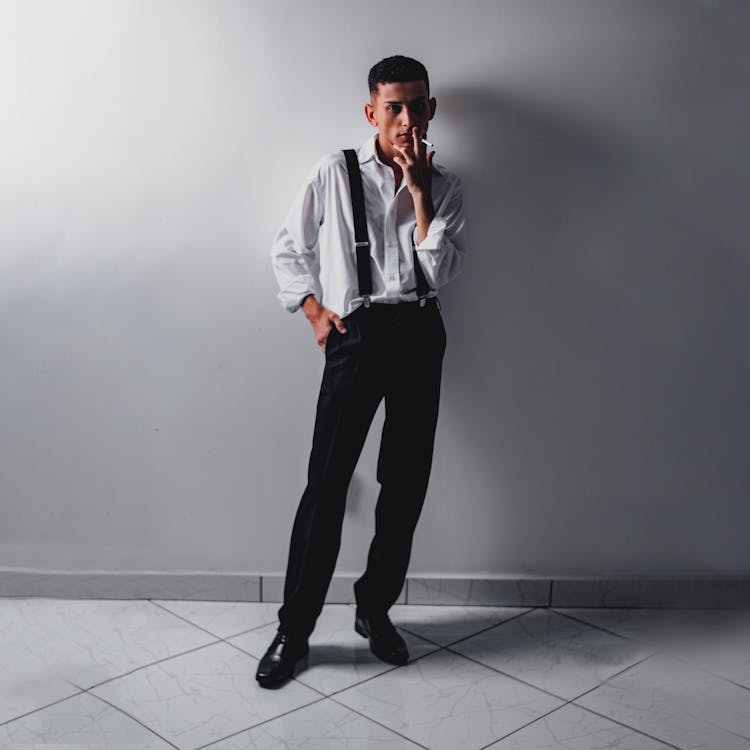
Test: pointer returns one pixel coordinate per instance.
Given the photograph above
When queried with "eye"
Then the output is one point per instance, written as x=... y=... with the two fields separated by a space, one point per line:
x=418 y=108
x=394 y=108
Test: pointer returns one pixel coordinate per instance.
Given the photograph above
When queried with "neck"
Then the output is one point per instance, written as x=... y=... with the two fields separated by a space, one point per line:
x=386 y=156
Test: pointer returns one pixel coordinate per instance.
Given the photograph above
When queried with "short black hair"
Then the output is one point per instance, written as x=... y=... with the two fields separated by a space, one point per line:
x=396 y=69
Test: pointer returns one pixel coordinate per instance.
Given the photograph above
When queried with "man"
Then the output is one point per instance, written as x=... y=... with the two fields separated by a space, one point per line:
x=375 y=315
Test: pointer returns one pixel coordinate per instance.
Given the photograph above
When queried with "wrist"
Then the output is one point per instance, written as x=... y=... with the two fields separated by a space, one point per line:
x=310 y=306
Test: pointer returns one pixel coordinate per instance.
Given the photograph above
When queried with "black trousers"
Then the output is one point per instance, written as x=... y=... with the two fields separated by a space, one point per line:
x=391 y=351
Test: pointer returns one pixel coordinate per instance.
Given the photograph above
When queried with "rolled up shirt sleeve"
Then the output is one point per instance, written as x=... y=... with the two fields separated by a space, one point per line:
x=441 y=252
x=295 y=247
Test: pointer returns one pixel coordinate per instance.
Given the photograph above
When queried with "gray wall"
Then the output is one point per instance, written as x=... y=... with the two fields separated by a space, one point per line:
x=157 y=403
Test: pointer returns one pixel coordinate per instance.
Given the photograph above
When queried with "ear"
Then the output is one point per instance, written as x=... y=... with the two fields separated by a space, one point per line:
x=433 y=105
x=370 y=114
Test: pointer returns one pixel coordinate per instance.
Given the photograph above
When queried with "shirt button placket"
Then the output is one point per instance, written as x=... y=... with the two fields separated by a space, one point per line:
x=391 y=247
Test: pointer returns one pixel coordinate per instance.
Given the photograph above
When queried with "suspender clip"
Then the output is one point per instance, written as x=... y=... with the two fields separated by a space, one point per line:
x=367 y=298
x=366 y=243
x=422 y=301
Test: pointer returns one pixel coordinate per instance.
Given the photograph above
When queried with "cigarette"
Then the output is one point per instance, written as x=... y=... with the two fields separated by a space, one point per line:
x=424 y=140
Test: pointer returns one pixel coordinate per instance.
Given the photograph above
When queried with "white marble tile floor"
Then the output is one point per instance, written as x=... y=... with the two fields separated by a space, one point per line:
x=157 y=674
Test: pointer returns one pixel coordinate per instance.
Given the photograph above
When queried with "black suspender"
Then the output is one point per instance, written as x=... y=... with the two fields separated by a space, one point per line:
x=361 y=238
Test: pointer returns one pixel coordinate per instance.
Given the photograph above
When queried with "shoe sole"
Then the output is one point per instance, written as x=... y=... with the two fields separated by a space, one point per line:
x=299 y=665
x=397 y=661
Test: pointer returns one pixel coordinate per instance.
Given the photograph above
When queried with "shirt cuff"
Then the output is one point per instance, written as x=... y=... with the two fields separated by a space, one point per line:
x=292 y=301
x=435 y=233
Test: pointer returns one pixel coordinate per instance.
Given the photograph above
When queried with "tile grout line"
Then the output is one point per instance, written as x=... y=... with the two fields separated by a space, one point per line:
x=323 y=696
x=577 y=697
x=130 y=716
x=374 y=721
x=625 y=726
x=264 y=721
x=535 y=687
x=48 y=705
x=571 y=701
x=656 y=650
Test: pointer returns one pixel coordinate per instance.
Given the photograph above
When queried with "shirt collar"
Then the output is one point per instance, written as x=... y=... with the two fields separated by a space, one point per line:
x=369 y=151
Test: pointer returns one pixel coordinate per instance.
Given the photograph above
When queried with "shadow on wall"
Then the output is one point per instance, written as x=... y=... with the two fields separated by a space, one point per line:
x=593 y=339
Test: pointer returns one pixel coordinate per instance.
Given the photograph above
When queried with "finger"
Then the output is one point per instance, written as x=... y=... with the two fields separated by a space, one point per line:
x=405 y=155
x=416 y=140
x=336 y=320
x=405 y=152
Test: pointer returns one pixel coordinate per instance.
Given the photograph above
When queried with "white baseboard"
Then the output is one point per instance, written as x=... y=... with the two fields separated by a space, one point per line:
x=728 y=592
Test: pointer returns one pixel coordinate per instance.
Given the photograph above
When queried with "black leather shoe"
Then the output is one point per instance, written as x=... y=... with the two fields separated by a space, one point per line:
x=385 y=641
x=285 y=657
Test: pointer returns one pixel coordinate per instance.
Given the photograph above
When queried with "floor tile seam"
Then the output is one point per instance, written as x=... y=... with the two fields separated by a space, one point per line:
x=322 y=696
x=616 y=721
x=581 y=618
x=375 y=721
x=583 y=708
x=300 y=677
x=478 y=632
x=122 y=675
x=408 y=630
x=444 y=648
x=219 y=639
x=524 y=726
x=130 y=716
x=421 y=637
x=622 y=723
x=439 y=647
x=612 y=677
x=602 y=628
x=505 y=674
x=161 y=661
x=47 y=705
x=662 y=651
x=499 y=739
x=693 y=665
x=729 y=731
x=206 y=630
x=294 y=678
x=544 y=690
x=264 y=721
x=388 y=670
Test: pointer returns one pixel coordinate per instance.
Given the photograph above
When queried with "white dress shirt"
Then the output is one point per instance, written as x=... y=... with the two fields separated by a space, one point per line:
x=314 y=251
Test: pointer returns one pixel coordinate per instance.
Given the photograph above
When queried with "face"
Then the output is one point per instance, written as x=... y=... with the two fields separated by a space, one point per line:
x=395 y=109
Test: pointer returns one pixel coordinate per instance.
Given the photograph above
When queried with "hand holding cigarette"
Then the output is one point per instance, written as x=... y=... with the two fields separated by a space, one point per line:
x=416 y=164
